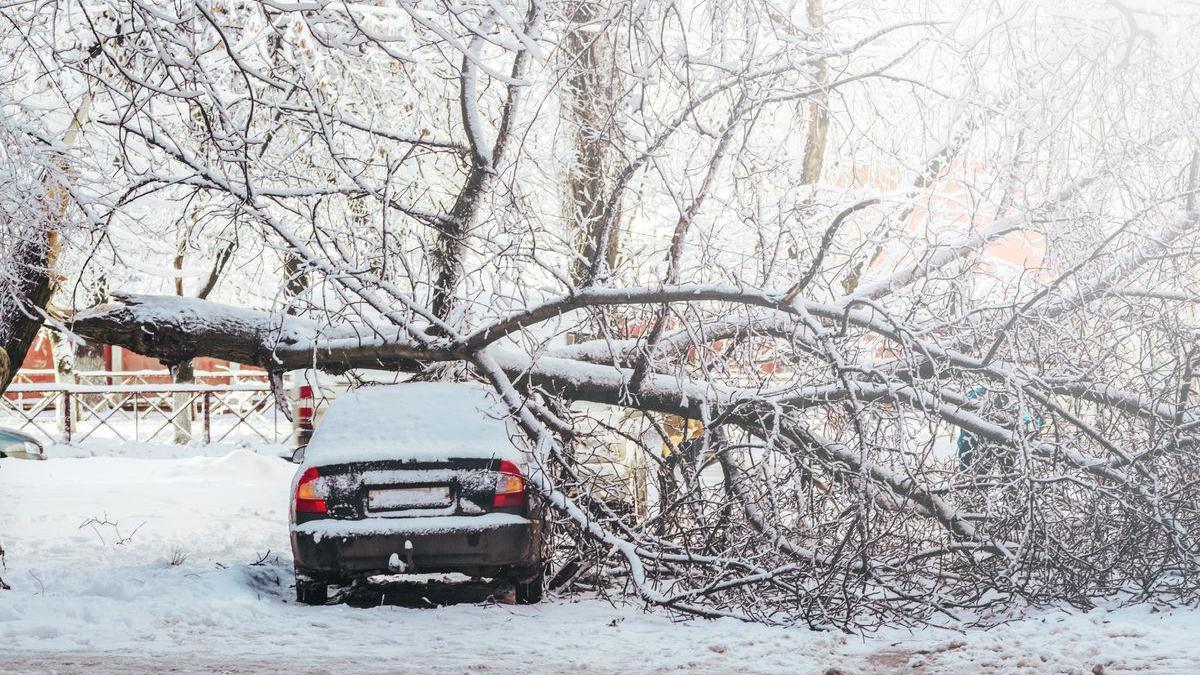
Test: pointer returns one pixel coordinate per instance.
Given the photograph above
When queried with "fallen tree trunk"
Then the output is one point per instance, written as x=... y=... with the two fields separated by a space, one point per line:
x=177 y=329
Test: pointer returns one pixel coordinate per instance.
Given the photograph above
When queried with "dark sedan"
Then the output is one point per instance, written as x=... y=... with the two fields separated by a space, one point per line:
x=416 y=478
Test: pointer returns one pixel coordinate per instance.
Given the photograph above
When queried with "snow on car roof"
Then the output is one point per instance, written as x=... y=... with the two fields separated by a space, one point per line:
x=418 y=421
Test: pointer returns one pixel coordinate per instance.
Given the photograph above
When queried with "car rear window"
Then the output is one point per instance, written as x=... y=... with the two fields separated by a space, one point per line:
x=420 y=421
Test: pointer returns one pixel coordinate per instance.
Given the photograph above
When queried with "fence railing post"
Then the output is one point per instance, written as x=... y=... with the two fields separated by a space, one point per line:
x=68 y=415
x=207 y=417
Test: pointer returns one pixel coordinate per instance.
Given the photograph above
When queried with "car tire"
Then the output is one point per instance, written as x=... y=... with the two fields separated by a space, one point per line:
x=311 y=592
x=529 y=590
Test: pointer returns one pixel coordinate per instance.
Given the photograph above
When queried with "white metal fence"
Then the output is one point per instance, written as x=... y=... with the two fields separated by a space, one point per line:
x=146 y=412
x=47 y=375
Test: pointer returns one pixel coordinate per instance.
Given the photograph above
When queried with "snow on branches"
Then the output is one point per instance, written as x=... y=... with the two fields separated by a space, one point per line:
x=936 y=358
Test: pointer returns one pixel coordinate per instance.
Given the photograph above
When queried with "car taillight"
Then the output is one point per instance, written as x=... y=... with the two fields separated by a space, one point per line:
x=308 y=500
x=510 y=486
x=304 y=411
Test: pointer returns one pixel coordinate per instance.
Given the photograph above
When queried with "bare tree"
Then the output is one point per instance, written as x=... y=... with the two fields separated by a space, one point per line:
x=970 y=383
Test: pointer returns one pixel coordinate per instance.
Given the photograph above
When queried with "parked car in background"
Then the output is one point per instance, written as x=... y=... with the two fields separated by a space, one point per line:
x=416 y=478
x=19 y=445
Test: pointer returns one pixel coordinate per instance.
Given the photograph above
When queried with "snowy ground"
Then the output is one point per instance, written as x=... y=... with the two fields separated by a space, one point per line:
x=193 y=575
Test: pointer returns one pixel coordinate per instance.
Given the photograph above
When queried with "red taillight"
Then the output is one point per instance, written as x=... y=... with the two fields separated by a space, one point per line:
x=304 y=411
x=510 y=486
x=307 y=499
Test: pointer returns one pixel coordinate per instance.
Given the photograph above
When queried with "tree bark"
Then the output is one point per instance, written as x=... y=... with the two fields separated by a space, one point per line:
x=32 y=293
x=592 y=80
x=818 y=115
x=174 y=330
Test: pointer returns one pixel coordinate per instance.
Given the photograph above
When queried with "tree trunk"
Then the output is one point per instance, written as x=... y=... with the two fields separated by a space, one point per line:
x=591 y=84
x=30 y=294
x=64 y=371
x=448 y=251
x=183 y=373
x=295 y=281
x=32 y=277
x=818 y=115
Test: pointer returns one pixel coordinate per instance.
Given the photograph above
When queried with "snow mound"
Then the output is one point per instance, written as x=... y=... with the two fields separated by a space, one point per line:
x=237 y=465
x=243 y=461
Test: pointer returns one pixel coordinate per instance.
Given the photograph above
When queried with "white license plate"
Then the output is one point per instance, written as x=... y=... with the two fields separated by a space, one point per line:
x=408 y=498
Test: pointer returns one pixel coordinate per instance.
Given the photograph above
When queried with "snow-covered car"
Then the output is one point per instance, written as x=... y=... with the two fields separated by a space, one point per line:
x=416 y=478
x=18 y=445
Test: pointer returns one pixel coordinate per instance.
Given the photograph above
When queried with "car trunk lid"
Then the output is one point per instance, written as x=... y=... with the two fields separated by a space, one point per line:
x=402 y=489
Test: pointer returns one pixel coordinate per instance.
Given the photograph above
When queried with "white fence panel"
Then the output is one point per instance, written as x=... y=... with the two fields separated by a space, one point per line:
x=73 y=413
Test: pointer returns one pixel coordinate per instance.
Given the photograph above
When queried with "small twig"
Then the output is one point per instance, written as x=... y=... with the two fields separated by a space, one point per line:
x=125 y=540
x=41 y=586
x=121 y=540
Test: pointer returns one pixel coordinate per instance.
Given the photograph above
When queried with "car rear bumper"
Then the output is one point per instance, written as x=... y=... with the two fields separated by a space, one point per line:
x=487 y=545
